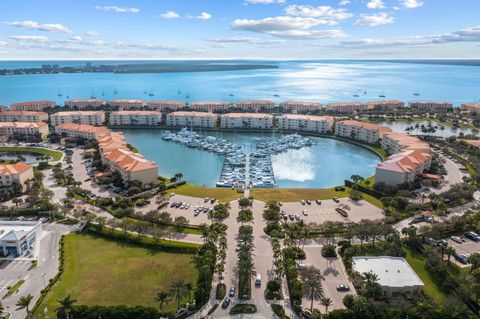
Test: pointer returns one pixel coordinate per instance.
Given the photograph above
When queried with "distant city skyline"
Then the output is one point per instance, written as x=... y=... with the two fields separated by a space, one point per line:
x=239 y=29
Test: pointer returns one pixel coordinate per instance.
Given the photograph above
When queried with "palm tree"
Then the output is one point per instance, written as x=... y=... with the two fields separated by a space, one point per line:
x=24 y=303
x=66 y=306
x=162 y=298
x=188 y=288
x=178 y=288
x=449 y=251
x=312 y=284
x=326 y=302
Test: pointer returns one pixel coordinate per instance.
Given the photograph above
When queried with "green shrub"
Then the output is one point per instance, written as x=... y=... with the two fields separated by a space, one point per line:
x=329 y=251
x=243 y=308
x=279 y=311
x=221 y=291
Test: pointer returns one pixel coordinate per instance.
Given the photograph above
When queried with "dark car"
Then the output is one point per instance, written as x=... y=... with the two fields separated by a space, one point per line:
x=308 y=202
x=473 y=236
x=226 y=303
x=232 y=292
x=343 y=288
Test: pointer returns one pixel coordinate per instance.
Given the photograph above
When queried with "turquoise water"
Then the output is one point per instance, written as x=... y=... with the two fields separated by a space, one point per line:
x=327 y=163
x=323 y=81
x=29 y=158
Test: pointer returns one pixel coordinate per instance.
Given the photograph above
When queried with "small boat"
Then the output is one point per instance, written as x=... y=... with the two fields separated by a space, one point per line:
x=416 y=94
x=93 y=96
x=115 y=91
x=276 y=94
x=356 y=95
x=145 y=92
x=382 y=95
x=179 y=92
x=187 y=96
x=103 y=93
x=151 y=93
x=231 y=94
x=59 y=94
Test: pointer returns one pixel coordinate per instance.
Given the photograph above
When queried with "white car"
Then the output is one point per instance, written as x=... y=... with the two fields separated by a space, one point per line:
x=304 y=212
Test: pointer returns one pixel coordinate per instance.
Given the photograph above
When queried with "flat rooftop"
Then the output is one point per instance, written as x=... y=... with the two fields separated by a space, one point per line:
x=19 y=228
x=391 y=271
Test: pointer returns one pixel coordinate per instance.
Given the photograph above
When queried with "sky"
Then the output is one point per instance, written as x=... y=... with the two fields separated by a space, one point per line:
x=239 y=29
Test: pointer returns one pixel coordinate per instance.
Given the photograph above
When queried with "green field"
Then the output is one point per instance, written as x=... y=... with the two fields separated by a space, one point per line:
x=221 y=194
x=55 y=155
x=106 y=272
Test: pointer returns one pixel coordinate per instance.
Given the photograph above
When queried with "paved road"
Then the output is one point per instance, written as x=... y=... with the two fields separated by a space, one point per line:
x=36 y=278
x=59 y=192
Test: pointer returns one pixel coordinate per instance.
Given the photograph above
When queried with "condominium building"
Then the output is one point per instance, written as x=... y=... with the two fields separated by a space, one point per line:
x=209 y=106
x=165 y=105
x=15 y=173
x=83 y=103
x=254 y=106
x=470 y=107
x=88 y=132
x=297 y=106
x=431 y=105
x=78 y=117
x=25 y=129
x=246 y=120
x=197 y=119
x=32 y=106
x=111 y=141
x=127 y=104
x=386 y=105
x=135 y=118
x=131 y=166
x=403 y=167
x=306 y=123
x=396 y=142
x=2 y=108
x=23 y=116
x=394 y=275
x=347 y=107
x=362 y=131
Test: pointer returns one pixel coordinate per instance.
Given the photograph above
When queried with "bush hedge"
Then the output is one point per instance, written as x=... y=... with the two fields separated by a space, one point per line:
x=221 y=291
x=329 y=251
x=113 y=312
x=279 y=311
x=243 y=308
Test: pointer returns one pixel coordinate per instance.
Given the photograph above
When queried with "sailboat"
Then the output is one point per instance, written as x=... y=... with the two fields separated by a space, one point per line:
x=416 y=93
x=231 y=94
x=103 y=93
x=179 y=92
x=151 y=93
x=356 y=95
x=145 y=92
x=59 y=93
x=276 y=94
x=93 y=96
x=382 y=95
x=115 y=91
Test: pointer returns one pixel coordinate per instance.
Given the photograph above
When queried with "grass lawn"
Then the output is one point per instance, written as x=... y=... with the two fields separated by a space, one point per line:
x=105 y=272
x=294 y=194
x=55 y=155
x=221 y=194
x=417 y=262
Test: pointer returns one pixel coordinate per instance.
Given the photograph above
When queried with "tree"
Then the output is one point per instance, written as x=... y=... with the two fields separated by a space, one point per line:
x=326 y=302
x=449 y=251
x=178 y=288
x=66 y=306
x=245 y=216
x=24 y=303
x=312 y=284
x=356 y=178
x=162 y=298
x=474 y=261
x=371 y=287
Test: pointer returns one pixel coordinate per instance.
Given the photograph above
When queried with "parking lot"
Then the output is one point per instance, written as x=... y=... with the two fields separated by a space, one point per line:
x=334 y=273
x=11 y=271
x=466 y=247
x=326 y=210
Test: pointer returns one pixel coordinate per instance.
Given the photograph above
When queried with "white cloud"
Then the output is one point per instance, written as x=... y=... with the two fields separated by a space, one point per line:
x=3 y=43
x=33 y=25
x=309 y=34
x=118 y=9
x=30 y=38
x=344 y=3
x=376 y=4
x=170 y=15
x=273 y=24
x=264 y=1
x=465 y=35
x=249 y=40
x=374 y=20
x=98 y=42
x=91 y=34
x=204 y=16
x=411 y=4
x=75 y=39
x=325 y=12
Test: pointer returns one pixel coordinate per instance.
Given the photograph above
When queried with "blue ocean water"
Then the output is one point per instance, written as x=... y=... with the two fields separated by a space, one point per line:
x=323 y=81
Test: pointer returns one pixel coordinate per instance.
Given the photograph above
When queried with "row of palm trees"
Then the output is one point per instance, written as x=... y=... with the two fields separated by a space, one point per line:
x=178 y=290
x=312 y=279
x=66 y=305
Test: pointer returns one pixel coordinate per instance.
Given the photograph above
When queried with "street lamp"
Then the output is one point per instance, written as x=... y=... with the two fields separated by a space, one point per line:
x=43 y=277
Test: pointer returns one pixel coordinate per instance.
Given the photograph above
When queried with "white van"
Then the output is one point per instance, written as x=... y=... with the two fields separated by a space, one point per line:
x=258 y=280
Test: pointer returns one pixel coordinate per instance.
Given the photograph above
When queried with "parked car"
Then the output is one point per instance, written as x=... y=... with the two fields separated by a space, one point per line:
x=291 y=216
x=212 y=200
x=302 y=266
x=308 y=202
x=442 y=243
x=302 y=202
x=462 y=258
x=206 y=199
x=335 y=199
x=232 y=292
x=473 y=236
x=304 y=212
x=343 y=288
x=319 y=202
x=456 y=239
x=226 y=303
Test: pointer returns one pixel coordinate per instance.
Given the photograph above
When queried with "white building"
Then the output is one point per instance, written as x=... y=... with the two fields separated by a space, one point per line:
x=135 y=118
x=394 y=274
x=209 y=106
x=18 y=238
x=78 y=117
x=298 y=106
x=23 y=116
x=88 y=132
x=26 y=129
x=32 y=106
x=386 y=105
x=195 y=119
x=347 y=107
x=127 y=104
x=165 y=105
x=306 y=123
x=361 y=131
x=83 y=103
x=15 y=173
x=254 y=106
x=246 y=120
x=431 y=105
